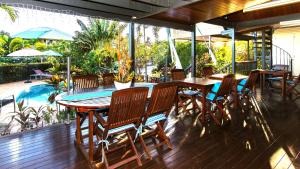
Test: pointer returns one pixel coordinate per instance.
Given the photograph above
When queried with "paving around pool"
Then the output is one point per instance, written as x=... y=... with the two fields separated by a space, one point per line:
x=34 y=94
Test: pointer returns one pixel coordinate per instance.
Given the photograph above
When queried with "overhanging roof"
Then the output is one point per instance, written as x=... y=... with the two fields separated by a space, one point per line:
x=178 y=14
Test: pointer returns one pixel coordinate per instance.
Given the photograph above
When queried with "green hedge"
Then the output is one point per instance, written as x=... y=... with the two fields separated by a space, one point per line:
x=19 y=72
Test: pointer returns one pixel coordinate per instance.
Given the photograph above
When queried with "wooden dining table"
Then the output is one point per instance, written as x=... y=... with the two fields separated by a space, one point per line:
x=277 y=73
x=89 y=101
x=237 y=79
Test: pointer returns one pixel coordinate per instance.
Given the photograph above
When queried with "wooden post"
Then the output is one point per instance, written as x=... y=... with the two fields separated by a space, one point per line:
x=233 y=50
x=131 y=48
x=193 y=52
x=263 y=50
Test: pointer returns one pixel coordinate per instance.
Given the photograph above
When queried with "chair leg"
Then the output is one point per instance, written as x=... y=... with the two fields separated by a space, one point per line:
x=163 y=135
x=136 y=155
x=145 y=148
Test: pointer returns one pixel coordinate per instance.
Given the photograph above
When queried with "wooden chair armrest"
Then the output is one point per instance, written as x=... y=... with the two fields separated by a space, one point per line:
x=101 y=120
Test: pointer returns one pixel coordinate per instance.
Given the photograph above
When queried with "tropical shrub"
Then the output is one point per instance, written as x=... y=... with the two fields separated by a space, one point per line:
x=124 y=74
x=22 y=115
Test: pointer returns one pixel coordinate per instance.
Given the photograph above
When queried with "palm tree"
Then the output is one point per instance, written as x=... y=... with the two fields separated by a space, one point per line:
x=98 y=33
x=12 y=13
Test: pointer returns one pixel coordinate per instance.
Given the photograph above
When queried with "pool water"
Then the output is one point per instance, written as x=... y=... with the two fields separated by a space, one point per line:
x=36 y=95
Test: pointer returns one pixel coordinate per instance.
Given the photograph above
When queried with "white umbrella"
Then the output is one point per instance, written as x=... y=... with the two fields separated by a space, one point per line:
x=26 y=52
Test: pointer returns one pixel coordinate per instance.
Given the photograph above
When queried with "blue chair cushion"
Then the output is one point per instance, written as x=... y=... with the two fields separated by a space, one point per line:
x=216 y=87
x=189 y=92
x=118 y=129
x=243 y=82
x=155 y=118
x=275 y=78
x=290 y=82
x=211 y=96
x=240 y=88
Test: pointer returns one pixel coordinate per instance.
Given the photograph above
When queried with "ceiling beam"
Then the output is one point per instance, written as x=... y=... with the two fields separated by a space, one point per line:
x=267 y=21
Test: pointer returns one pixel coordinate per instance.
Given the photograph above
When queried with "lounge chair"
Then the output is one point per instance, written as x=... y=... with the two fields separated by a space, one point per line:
x=7 y=100
x=40 y=74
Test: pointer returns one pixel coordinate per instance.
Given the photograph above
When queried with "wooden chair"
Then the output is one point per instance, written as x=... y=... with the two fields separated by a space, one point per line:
x=162 y=100
x=108 y=80
x=83 y=83
x=246 y=87
x=126 y=109
x=186 y=97
x=207 y=71
x=218 y=95
x=291 y=87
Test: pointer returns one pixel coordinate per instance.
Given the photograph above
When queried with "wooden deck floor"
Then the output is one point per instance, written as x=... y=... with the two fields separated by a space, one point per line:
x=268 y=138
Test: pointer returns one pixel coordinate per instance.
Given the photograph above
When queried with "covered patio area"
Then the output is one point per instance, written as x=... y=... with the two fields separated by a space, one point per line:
x=198 y=117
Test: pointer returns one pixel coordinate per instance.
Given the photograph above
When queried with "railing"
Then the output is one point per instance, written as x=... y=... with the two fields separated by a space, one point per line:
x=281 y=59
x=225 y=69
x=245 y=67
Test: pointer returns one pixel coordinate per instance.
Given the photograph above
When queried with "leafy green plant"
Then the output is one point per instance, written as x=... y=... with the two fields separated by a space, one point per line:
x=22 y=115
x=38 y=114
x=12 y=13
x=48 y=114
x=61 y=116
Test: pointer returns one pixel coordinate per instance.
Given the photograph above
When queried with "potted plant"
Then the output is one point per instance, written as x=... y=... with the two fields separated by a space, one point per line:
x=124 y=76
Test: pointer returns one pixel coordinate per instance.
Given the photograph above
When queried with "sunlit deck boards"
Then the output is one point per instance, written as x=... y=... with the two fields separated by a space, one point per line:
x=275 y=145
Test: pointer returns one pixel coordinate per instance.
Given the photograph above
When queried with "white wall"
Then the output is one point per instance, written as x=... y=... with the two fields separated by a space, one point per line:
x=289 y=40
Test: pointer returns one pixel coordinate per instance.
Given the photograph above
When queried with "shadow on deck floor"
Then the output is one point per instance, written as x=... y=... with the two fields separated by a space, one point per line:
x=267 y=138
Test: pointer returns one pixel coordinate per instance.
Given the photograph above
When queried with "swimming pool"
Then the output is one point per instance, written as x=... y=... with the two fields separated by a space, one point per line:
x=36 y=95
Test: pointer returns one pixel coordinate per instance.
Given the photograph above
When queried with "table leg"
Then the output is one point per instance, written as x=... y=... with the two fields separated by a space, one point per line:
x=261 y=83
x=204 y=108
x=78 y=130
x=176 y=104
x=283 y=90
x=235 y=94
x=91 y=136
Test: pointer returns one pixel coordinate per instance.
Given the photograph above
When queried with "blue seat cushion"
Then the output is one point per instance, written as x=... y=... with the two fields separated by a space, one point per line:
x=189 y=92
x=155 y=118
x=216 y=87
x=275 y=78
x=118 y=129
x=211 y=96
x=243 y=82
x=290 y=82
x=240 y=88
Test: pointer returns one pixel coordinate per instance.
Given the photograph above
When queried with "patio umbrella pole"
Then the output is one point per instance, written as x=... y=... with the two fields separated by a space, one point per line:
x=68 y=86
x=28 y=80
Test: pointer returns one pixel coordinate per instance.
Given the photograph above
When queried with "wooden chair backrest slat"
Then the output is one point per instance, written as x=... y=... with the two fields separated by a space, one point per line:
x=162 y=98
x=207 y=71
x=251 y=79
x=226 y=85
x=127 y=106
x=108 y=79
x=177 y=74
x=85 y=82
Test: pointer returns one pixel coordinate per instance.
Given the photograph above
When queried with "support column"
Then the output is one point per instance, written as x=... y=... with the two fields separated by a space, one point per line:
x=131 y=47
x=263 y=50
x=193 y=52
x=255 y=46
x=248 y=50
x=233 y=50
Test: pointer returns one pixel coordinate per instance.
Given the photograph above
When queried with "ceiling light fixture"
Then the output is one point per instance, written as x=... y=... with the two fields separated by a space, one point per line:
x=292 y=23
x=272 y=4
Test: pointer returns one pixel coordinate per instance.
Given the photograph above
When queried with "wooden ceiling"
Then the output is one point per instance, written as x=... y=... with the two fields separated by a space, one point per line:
x=265 y=13
x=204 y=10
